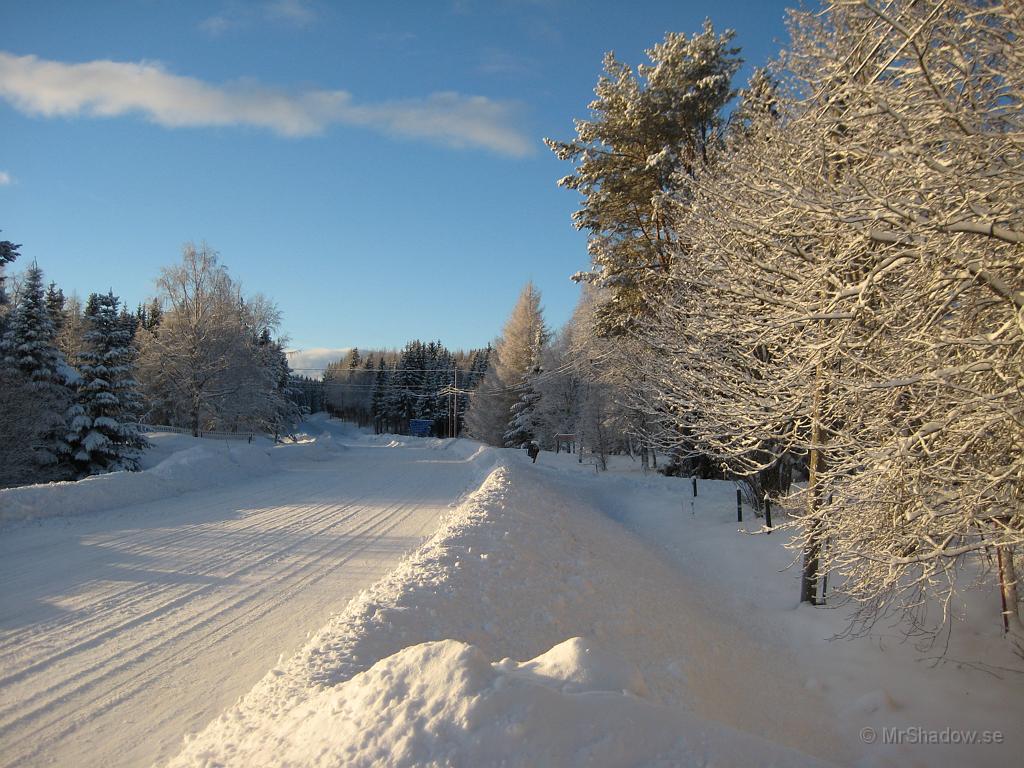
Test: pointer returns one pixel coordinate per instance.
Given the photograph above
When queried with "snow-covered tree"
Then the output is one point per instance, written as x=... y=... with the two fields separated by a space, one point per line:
x=488 y=412
x=522 y=427
x=39 y=381
x=55 y=303
x=307 y=393
x=582 y=388
x=851 y=298
x=921 y=438
x=648 y=130
x=23 y=413
x=480 y=361
x=559 y=391
x=202 y=366
x=515 y=357
x=103 y=434
x=8 y=253
x=276 y=409
x=645 y=129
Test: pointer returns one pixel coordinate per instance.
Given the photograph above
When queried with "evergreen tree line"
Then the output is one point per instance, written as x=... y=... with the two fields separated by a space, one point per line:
x=826 y=283
x=76 y=381
x=389 y=388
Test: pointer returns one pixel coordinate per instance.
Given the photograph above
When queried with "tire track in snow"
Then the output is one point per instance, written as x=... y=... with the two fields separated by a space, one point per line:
x=127 y=602
x=110 y=631
x=311 y=534
x=199 y=530
x=139 y=680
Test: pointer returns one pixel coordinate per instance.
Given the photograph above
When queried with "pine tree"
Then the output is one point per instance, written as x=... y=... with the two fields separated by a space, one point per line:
x=647 y=129
x=377 y=403
x=392 y=405
x=365 y=395
x=130 y=321
x=103 y=434
x=411 y=370
x=150 y=315
x=8 y=253
x=55 y=302
x=35 y=366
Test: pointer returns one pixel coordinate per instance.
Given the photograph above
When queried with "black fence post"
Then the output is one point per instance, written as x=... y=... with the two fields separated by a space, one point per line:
x=739 y=506
x=694 y=486
x=768 y=514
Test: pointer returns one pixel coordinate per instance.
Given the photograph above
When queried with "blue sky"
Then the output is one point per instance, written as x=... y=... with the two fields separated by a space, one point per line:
x=375 y=168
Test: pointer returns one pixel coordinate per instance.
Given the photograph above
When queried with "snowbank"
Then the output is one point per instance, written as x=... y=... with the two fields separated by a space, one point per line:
x=444 y=703
x=189 y=468
x=418 y=670
x=970 y=681
x=176 y=464
x=322 y=447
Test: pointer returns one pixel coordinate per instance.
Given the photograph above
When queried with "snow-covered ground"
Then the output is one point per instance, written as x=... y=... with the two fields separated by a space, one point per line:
x=564 y=618
x=554 y=617
x=127 y=623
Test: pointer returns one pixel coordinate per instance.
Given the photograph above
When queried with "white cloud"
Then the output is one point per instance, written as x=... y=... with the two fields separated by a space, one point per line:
x=235 y=16
x=103 y=88
x=311 y=362
x=5 y=179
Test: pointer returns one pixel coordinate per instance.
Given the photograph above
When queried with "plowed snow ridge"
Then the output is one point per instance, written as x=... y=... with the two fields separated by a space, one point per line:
x=121 y=631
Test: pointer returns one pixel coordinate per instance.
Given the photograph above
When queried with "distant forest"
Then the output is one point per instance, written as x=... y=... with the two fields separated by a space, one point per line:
x=387 y=389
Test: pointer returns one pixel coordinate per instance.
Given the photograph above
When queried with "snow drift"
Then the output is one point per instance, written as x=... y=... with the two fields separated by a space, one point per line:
x=190 y=469
x=445 y=703
x=419 y=669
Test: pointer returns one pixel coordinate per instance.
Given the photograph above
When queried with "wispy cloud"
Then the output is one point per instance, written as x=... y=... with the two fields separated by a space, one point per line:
x=5 y=179
x=103 y=88
x=494 y=61
x=295 y=13
x=215 y=26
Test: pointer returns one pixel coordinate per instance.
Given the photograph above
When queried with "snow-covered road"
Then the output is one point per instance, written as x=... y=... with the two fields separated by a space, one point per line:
x=122 y=631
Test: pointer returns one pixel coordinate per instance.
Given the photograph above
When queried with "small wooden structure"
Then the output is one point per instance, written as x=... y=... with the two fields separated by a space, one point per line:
x=568 y=440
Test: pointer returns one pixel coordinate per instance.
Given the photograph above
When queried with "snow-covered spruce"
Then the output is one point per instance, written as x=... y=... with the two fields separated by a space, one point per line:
x=35 y=391
x=103 y=434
